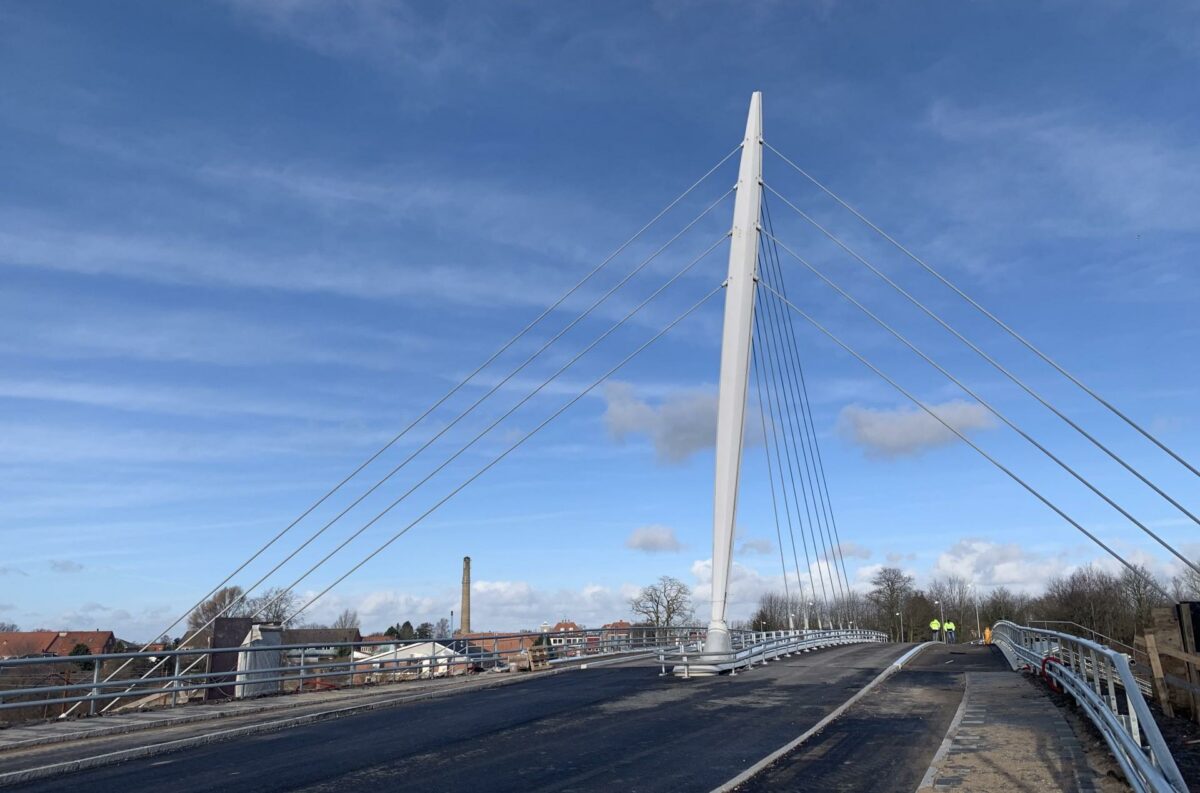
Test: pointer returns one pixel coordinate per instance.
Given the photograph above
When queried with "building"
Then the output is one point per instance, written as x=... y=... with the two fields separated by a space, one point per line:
x=322 y=641
x=411 y=660
x=573 y=637
x=26 y=644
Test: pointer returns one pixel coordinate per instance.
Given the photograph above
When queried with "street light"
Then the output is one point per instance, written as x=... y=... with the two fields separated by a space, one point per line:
x=942 y=612
x=978 y=631
x=901 y=616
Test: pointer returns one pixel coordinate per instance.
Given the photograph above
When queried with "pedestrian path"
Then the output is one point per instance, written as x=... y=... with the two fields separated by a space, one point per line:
x=1009 y=736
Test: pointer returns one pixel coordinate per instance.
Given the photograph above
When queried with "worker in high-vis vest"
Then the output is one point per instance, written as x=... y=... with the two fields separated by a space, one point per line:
x=950 y=631
x=935 y=626
x=987 y=635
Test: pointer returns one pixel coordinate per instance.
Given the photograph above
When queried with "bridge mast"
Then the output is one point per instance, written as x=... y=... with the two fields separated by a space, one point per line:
x=735 y=366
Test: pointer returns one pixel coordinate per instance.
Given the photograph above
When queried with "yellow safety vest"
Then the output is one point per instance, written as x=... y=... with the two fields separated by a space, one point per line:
x=950 y=626
x=935 y=625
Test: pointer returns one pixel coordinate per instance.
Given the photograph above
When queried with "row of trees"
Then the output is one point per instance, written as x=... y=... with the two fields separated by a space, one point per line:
x=1115 y=605
x=425 y=630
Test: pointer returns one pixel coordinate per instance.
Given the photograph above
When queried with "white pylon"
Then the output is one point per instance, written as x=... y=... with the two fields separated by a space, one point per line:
x=735 y=369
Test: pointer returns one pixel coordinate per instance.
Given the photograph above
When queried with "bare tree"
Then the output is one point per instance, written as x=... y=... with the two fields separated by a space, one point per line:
x=776 y=612
x=225 y=602
x=442 y=628
x=664 y=603
x=892 y=589
x=8 y=627
x=273 y=605
x=348 y=619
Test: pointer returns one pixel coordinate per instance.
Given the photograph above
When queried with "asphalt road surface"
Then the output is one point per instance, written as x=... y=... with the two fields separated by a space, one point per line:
x=602 y=729
x=886 y=740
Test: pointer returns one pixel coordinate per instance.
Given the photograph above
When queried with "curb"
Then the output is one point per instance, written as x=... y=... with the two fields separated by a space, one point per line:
x=750 y=772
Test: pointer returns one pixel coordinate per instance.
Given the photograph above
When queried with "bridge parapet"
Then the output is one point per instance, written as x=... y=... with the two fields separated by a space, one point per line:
x=1101 y=682
x=752 y=648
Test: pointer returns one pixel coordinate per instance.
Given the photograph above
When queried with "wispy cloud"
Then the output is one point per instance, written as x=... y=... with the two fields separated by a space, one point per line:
x=756 y=546
x=654 y=539
x=903 y=432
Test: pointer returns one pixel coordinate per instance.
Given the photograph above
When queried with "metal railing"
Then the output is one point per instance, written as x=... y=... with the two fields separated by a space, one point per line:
x=45 y=682
x=752 y=648
x=1101 y=682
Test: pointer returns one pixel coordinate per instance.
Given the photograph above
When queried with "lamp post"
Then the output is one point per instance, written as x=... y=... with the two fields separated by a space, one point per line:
x=942 y=615
x=901 y=616
x=978 y=630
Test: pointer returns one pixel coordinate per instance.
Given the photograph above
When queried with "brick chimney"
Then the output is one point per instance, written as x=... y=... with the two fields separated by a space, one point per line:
x=465 y=617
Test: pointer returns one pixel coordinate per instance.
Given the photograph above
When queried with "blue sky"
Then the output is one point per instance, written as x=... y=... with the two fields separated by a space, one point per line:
x=242 y=244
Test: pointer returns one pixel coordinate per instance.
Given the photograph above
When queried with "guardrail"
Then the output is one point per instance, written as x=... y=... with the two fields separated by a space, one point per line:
x=757 y=647
x=1101 y=682
x=49 y=686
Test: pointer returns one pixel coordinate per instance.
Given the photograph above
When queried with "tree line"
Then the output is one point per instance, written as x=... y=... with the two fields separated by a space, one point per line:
x=1117 y=606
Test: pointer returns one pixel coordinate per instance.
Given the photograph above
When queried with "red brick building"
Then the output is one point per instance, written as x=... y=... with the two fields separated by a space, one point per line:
x=22 y=644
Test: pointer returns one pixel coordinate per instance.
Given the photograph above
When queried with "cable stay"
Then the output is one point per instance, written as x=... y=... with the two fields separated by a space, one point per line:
x=1000 y=323
x=805 y=402
x=994 y=363
x=775 y=404
x=440 y=401
x=790 y=398
x=988 y=406
x=757 y=366
x=808 y=433
x=629 y=315
x=961 y=436
x=506 y=452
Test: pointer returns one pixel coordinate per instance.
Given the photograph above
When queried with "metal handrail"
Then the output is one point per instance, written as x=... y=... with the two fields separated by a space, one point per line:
x=759 y=648
x=315 y=662
x=1091 y=672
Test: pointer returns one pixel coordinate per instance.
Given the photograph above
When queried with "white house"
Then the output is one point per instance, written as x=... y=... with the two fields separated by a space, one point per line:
x=411 y=660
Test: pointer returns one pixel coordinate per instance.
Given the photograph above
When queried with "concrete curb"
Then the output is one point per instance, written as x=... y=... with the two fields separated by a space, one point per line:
x=166 y=747
x=750 y=772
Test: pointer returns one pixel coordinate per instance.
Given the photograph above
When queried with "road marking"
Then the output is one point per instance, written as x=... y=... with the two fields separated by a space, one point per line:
x=746 y=775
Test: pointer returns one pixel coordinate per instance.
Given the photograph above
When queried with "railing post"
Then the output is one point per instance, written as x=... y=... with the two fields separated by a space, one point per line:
x=176 y=683
x=95 y=687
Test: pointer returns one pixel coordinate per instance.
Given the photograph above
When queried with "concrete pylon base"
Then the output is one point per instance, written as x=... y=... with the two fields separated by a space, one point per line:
x=717 y=653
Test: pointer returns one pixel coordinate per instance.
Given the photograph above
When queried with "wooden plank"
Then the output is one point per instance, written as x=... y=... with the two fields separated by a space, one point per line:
x=1160 y=685
x=1190 y=658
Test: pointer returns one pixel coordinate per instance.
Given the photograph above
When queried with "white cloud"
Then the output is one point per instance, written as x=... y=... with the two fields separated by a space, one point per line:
x=654 y=539
x=989 y=563
x=909 y=431
x=495 y=605
x=679 y=425
x=756 y=545
x=853 y=550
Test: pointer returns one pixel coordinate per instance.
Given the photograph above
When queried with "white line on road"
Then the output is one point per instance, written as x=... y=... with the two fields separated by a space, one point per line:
x=746 y=775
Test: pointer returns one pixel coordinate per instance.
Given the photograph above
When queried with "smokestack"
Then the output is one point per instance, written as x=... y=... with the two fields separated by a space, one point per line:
x=465 y=617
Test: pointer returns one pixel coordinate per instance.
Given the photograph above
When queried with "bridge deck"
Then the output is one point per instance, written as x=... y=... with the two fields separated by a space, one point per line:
x=955 y=719
x=616 y=728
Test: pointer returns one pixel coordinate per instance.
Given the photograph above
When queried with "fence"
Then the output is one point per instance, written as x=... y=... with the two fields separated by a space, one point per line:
x=1101 y=682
